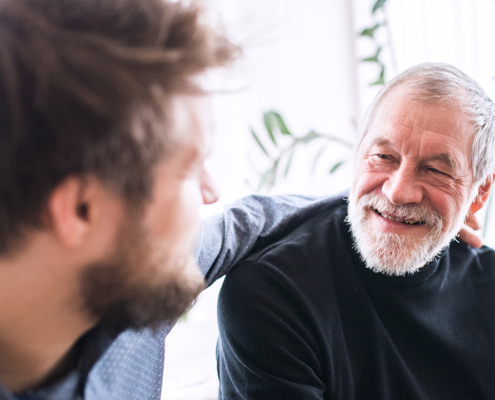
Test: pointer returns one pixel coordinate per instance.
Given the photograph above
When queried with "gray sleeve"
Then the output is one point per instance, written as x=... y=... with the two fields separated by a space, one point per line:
x=228 y=237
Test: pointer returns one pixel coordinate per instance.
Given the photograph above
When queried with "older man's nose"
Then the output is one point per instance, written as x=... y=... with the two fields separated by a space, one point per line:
x=403 y=187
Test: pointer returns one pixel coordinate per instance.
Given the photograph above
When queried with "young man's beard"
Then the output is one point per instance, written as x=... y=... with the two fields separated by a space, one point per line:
x=391 y=253
x=140 y=287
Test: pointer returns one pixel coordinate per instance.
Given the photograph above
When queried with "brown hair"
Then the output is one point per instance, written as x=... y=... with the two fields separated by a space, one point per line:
x=86 y=88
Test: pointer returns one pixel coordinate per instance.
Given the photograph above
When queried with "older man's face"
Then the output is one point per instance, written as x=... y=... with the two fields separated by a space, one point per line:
x=412 y=185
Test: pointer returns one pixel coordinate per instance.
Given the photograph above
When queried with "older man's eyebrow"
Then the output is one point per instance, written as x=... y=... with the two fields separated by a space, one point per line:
x=446 y=159
x=379 y=141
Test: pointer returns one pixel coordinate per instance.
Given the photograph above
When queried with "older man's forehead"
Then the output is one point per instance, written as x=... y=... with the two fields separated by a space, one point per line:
x=442 y=117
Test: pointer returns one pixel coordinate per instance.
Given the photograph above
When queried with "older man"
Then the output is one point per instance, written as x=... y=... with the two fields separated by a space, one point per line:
x=370 y=298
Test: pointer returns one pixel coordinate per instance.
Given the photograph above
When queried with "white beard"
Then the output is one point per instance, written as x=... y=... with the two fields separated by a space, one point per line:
x=395 y=254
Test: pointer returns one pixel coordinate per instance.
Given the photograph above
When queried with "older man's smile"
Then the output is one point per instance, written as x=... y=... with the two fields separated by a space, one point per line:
x=399 y=219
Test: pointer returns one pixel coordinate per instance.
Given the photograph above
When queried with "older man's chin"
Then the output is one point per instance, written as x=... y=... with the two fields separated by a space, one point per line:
x=395 y=254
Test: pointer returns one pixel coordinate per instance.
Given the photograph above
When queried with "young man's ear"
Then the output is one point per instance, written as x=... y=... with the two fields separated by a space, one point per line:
x=68 y=212
x=482 y=196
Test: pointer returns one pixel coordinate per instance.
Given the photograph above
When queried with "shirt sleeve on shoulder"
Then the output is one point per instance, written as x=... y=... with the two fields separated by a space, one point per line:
x=248 y=223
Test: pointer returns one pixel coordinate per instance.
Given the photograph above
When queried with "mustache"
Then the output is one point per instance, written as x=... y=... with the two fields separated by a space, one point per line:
x=417 y=212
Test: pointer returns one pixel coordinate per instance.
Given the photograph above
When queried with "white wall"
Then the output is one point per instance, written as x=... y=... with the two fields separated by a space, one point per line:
x=298 y=59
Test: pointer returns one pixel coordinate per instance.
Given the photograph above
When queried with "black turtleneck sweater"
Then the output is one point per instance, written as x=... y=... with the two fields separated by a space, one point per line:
x=305 y=319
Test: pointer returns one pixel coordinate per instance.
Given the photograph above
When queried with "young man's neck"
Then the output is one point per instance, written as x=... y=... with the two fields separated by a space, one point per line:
x=40 y=318
x=23 y=369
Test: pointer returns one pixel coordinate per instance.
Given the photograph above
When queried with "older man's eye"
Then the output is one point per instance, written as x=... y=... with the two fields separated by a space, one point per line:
x=438 y=172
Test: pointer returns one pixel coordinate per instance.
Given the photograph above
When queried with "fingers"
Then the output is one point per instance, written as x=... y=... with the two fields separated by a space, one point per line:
x=468 y=235
x=472 y=222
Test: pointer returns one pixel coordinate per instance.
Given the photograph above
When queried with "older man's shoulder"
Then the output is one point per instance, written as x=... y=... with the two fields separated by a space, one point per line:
x=312 y=230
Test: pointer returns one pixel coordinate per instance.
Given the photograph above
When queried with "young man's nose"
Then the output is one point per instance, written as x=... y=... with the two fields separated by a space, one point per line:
x=209 y=188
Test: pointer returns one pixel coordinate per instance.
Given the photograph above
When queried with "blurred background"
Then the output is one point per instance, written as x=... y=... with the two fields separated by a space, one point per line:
x=287 y=113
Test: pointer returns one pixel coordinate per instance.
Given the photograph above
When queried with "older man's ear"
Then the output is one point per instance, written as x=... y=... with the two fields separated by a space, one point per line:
x=467 y=233
x=483 y=193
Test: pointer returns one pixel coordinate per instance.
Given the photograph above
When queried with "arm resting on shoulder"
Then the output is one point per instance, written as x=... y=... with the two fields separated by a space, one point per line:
x=249 y=223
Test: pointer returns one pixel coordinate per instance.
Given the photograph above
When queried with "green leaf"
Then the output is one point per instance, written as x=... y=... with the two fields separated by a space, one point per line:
x=281 y=123
x=373 y=58
x=309 y=137
x=270 y=123
x=381 y=78
x=379 y=4
x=274 y=176
x=289 y=162
x=269 y=176
x=265 y=178
x=370 y=31
x=317 y=158
x=259 y=142
x=336 y=167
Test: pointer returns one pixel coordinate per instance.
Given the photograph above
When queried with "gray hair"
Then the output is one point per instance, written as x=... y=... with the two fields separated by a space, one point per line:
x=434 y=83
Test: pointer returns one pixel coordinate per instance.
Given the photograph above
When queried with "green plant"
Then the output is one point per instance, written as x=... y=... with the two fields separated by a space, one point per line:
x=283 y=146
x=276 y=128
x=380 y=24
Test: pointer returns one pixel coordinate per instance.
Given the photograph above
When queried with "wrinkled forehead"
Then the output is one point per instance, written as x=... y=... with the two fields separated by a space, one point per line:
x=406 y=109
x=421 y=132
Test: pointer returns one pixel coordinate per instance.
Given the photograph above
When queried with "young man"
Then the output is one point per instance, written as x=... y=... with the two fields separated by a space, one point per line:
x=104 y=132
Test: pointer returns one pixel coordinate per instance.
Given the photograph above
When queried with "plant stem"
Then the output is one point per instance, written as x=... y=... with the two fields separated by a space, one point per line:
x=337 y=139
x=391 y=47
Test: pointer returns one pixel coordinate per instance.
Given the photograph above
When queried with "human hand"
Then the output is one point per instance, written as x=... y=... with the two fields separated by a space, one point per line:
x=468 y=235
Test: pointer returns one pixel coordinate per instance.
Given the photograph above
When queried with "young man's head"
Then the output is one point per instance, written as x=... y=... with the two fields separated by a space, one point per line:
x=103 y=135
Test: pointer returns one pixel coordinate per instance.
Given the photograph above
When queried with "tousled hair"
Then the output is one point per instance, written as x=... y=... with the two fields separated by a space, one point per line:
x=86 y=88
x=439 y=83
